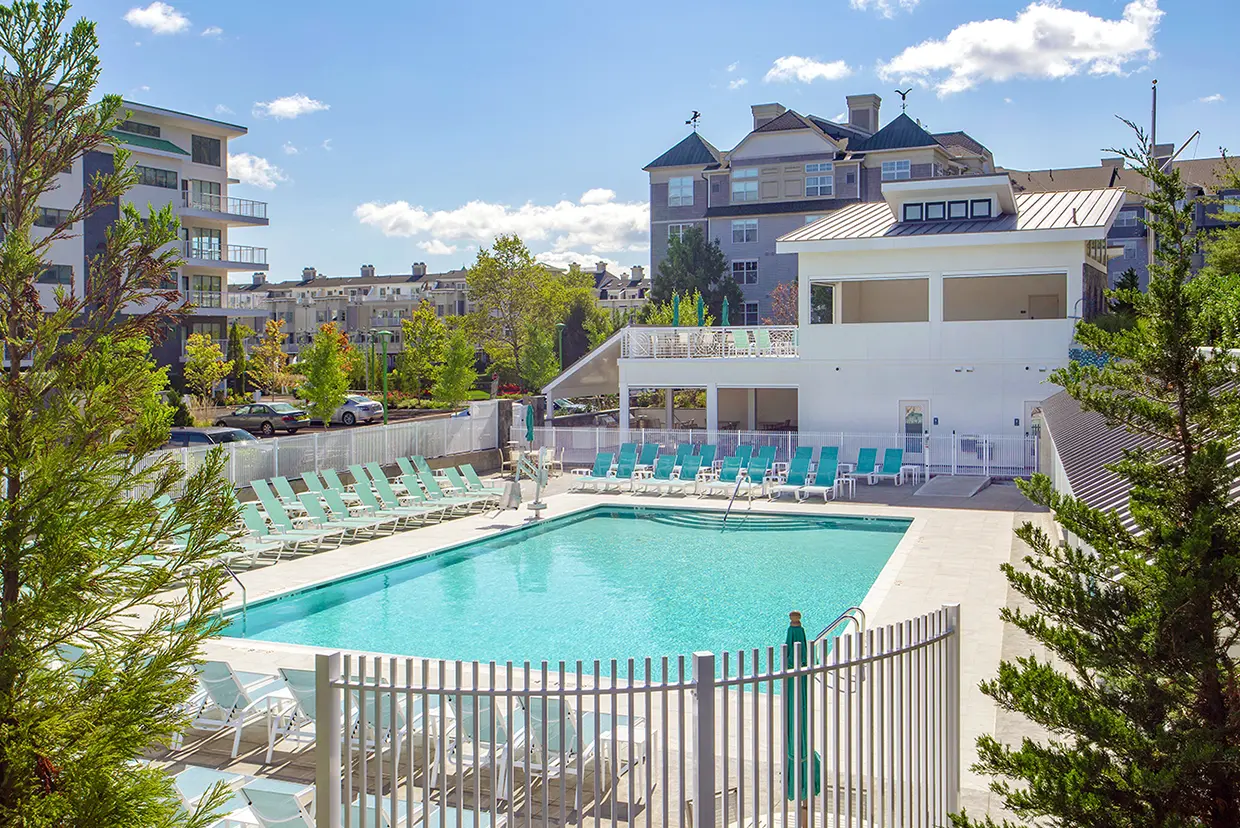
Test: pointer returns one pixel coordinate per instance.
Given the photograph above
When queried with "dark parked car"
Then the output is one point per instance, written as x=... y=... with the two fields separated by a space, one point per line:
x=266 y=417
x=213 y=436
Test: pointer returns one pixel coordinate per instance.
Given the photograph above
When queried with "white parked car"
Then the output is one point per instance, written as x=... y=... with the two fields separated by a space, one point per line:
x=358 y=409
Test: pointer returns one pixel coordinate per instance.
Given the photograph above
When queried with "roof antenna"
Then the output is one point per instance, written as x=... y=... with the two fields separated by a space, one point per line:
x=904 y=98
x=693 y=119
x=1074 y=221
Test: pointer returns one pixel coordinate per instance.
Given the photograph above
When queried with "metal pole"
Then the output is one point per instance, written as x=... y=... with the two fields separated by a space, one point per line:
x=560 y=330
x=385 y=381
x=952 y=612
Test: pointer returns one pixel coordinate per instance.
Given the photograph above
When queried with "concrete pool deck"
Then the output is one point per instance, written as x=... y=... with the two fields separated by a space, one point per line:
x=950 y=554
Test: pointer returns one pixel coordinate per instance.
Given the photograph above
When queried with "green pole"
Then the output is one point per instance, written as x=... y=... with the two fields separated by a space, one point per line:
x=560 y=330
x=385 y=384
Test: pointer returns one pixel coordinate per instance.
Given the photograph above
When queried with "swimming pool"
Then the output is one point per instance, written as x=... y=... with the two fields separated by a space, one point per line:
x=607 y=582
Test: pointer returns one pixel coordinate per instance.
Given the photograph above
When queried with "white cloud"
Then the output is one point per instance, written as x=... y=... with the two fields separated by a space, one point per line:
x=1045 y=40
x=327 y=144
x=290 y=106
x=222 y=109
x=437 y=248
x=842 y=118
x=1007 y=100
x=738 y=83
x=1215 y=98
x=806 y=70
x=886 y=8
x=289 y=149
x=583 y=231
x=733 y=65
x=255 y=170
x=212 y=31
x=564 y=258
x=159 y=17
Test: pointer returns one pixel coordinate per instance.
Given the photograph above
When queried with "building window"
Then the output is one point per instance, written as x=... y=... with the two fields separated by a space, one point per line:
x=819 y=185
x=896 y=170
x=935 y=211
x=135 y=128
x=745 y=272
x=744 y=231
x=205 y=244
x=677 y=231
x=1231 y=204
x=680 y=192
x=152 y=177
x=206 y=150
x=1130 y=249
x=56 y=275
x=979 y=208
x=1127 y=218
x=749 y=314
x=825 y=166
x=206 y=291
x=811 y=219
x=745 y=185
x=913 y=212
x=957 y=209
x=821 y=304
x=50 y=217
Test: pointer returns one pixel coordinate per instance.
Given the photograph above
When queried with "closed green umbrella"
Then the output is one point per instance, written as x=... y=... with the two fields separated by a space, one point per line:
x=701 y=309
x=675 y=309
x=724 y=322
x=796 y=705
x=529 y=423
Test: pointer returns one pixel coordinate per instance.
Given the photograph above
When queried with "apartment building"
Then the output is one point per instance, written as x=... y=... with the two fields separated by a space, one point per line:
x=789 y=171
x=182 y=160
x=1214 y=203
x=623 y=293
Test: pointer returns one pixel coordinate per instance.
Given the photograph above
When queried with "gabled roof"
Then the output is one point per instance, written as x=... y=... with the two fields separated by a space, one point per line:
x=839 y=131
x=789 y=120
x=693 y=151
x=902 y=133
x=961 y=140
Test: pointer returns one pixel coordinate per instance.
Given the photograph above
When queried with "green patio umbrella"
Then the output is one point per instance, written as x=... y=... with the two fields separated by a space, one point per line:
x=724 y=320
x=675 y=309
x=529 y=423
x=796 y=704
x=701 y=309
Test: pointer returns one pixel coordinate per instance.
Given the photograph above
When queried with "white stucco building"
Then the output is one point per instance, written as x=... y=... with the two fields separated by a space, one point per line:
x=942 y=308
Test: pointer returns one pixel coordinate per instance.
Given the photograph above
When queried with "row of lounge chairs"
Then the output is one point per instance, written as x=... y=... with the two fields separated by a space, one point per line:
x=743 y=473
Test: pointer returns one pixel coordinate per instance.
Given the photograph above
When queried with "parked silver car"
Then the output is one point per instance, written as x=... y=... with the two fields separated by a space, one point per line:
x=266 y=418
x=357 y=409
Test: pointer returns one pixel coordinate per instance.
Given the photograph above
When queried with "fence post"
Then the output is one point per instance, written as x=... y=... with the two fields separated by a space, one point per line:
x=704 y=738
x=952 y=613
x=316 y=452
x=329 y=738
x=955 y=442
x=232 y=464
x=275 y=457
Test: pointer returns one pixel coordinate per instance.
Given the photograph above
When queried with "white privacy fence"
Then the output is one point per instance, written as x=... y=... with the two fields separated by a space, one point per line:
x=863 y=729
x=954 y=454
x=338 y=447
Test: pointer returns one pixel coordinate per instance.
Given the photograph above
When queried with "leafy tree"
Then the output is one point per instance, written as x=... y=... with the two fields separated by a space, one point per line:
x=695 y=264
x=205 y=367
x=237 y=334
x=82 y=406
x=660 y=313
x=457 y=376
x=601 y=326
x=367 y=368
x=542 y=362
x=1141 y=621
x=267 y=366
x=783 y=305
x=326 y=365
x=425 y=336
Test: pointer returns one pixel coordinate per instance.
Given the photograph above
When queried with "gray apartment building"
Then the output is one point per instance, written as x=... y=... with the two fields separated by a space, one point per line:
x=1214 y=204
x=790 y=170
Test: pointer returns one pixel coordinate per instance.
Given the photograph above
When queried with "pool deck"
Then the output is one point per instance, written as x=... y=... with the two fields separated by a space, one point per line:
x=950 y=554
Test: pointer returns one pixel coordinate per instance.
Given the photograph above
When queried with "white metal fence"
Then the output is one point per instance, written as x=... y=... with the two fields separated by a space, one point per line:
x=954 y=454
x=337 y=448
x=868 y=725
x=708 y=343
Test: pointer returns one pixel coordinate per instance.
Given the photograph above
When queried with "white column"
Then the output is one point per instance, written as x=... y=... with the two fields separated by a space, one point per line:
x=712 y=413
x=670 y=403
x=624 y=412
x=751 y=409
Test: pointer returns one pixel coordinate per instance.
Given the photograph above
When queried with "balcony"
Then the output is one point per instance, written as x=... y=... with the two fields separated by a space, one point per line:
x=205 y=254
x=225 y=209
x=205 y=298
x=764 y=342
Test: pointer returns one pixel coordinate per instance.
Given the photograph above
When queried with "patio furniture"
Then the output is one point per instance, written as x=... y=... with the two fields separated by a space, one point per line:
x=893 y=461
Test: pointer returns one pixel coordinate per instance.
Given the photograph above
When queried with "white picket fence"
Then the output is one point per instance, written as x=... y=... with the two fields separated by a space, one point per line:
x=339 y=446
x=955 y=454
x=693 y=741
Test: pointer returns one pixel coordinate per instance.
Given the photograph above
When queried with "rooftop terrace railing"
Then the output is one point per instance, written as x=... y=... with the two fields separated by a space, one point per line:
x=243 y=253
x=768 y=341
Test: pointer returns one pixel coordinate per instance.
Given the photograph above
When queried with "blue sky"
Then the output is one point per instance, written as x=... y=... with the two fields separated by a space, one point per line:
x=393 y=132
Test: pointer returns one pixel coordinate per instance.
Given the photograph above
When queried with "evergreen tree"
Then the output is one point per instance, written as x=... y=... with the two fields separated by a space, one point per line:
x=1139 y=695
x=424 y=337
x=96 y=646
x=326 y=365
x=237 y=334
x=695 y=264
x=457 y=375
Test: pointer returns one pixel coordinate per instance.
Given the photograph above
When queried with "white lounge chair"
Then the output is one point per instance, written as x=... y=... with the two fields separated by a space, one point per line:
x=798 y=476
x=235 y=700
x=593 y=478
x=277 y=804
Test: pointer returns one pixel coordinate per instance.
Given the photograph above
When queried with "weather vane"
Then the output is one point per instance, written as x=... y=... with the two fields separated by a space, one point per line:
x=693 y=119
x=904 y=98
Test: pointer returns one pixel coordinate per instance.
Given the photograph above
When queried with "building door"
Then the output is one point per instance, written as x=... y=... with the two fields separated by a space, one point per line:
x=1031 y=436
x=1045 y=306
x=914 y=426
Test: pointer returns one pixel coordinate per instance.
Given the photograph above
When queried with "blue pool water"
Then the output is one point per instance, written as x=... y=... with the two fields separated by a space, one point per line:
x=610 y=582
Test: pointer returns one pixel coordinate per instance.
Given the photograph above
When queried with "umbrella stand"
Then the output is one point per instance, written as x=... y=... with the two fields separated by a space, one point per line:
x=796 y=704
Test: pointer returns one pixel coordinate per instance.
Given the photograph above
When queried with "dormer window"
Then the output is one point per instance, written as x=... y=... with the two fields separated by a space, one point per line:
x=914 y=212
x=957 y=209
x=936 y=210
x=979 y=208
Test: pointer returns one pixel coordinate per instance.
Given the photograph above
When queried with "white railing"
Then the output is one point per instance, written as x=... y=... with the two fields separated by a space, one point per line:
x=207 y=251
x=709 y=343
x=1001 y=456
x=338 y=447
x=691 y=741
x=211 y=203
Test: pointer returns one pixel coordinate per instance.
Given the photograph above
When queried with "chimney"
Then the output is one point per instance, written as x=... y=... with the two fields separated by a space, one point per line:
x=259 y=278
x=600 y=267
x=309 y=274
x=765 y=113
x=638 y=273
x=419 y=269
x=863 y=111
x=368 y=271
x=1114 y=162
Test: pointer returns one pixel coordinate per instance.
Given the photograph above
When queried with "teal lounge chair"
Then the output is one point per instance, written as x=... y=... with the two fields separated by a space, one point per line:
x=412 y=502
x=623 y=476
x=683 y=450
x=337 y=508
x=865 y=463
x=232 y=703
x=405 y=466
x=743 y=453
x=755 y=478
x=798 y=476
x=686 y=478
x=333 y=481
x=420 y=462
x=475 y=482
x=726 y=481
x=804 y=453
x=406 y=514
x=829 y=456
x=291 y=539
x=594 y=477
x=285 y=490
x=283 y=523
x=661 y=478
x=351 y=526
x=195 y=782
x=740 y=341
x=279 y=804
x=762 y=340
x=267 y=497
x=825 y=481
x=707 y=453
x=359 y=474
x=461 y=486
x=376 y=473
x=437 y=495
x=647 y=457
x=627 y=450
x=766 y=455
x=893 y=461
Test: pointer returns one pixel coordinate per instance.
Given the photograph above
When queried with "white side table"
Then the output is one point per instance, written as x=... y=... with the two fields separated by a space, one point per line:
x=639 y=737
x=911 y=473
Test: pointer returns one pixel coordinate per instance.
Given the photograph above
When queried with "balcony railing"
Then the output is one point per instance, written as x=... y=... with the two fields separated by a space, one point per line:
x=205 y=298
x=225 y=205
x=770 y=341
x=206 y=251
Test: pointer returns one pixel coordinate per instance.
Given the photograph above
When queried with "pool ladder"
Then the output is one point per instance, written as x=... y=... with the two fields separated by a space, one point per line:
x=852 y=615
x=740 y=478
x=245 y=601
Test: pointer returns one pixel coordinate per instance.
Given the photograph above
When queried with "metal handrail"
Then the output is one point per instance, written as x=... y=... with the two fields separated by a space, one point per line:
x=245 y=600
x=853 y=614
x=736 y=491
